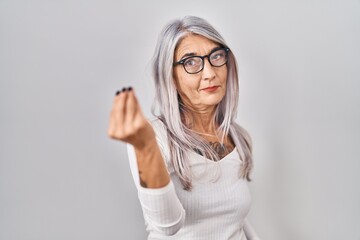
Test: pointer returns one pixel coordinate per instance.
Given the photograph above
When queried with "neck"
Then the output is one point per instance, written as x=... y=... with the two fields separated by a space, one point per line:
x=200 y=121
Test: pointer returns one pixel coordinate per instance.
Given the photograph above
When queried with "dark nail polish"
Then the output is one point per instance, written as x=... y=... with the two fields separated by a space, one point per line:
x=129 y=88
x=117 y=93
x=123 y=89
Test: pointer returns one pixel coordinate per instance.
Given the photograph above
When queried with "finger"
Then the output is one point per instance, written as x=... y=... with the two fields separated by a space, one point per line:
x=117 y=100
x=138 y=110
x=120 y=106
x=111 y=128
x=132 y=106
x=118 y=114
x=112 y=118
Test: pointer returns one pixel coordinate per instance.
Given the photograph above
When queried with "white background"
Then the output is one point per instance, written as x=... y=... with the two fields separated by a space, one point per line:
x=62 y=61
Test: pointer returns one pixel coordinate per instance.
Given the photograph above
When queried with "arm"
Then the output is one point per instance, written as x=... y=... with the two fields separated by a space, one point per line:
x=162 y=209
x=128 y=124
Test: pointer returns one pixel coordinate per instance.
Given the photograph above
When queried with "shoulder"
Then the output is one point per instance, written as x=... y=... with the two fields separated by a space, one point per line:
x=159 y=127
x=157 y=123
x=243 y=133
x=161 y=137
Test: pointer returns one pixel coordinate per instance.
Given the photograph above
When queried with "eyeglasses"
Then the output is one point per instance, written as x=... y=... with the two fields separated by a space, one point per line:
x=195 y=64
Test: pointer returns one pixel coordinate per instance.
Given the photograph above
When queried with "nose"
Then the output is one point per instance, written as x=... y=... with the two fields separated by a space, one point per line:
x=208 y=72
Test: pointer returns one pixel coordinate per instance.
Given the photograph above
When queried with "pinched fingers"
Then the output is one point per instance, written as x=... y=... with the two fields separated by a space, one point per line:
x=126 y=119
x=117 y=115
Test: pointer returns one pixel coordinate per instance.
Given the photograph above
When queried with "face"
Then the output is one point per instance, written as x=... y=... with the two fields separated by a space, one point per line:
x=201 y=91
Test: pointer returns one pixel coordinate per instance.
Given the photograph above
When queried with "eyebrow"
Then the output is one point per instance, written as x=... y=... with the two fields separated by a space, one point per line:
x=192 y=54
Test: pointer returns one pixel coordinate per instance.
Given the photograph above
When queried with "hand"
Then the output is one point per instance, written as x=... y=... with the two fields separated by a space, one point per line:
x=127 y=122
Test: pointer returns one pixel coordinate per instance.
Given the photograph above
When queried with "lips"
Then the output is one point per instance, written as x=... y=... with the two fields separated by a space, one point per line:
x=210 y=89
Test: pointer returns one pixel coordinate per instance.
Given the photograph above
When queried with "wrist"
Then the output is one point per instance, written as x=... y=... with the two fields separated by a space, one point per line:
x=146 y=146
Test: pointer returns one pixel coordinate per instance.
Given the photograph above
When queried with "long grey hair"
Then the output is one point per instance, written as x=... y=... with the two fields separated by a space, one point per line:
x=181 y=138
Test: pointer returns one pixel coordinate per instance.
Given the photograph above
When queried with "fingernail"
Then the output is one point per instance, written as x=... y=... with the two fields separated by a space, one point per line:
x=129 y=88
x=123 y=90
x=117 y=93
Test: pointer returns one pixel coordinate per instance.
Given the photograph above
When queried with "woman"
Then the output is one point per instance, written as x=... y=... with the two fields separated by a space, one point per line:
x=192 y=163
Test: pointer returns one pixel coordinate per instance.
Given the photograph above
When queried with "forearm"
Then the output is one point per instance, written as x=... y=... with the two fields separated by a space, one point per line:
x=151 y=166
x=162 y=209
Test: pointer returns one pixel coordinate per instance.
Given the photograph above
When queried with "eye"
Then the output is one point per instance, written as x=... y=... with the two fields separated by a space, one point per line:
x=191 y=62
x=220 y=54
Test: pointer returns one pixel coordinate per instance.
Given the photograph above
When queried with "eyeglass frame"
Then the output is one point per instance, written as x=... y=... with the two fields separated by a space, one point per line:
x=227 y=50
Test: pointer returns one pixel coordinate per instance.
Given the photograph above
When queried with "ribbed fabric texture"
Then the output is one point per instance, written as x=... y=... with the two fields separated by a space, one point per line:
x=215 y=208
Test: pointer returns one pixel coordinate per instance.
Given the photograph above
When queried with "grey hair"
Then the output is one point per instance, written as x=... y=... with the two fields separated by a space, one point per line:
x=181 y=138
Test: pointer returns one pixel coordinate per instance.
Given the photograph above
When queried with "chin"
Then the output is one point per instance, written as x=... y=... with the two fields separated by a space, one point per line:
x=213 y=100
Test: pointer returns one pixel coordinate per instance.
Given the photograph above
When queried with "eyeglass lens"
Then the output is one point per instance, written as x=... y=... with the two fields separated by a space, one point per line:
x=196 y=64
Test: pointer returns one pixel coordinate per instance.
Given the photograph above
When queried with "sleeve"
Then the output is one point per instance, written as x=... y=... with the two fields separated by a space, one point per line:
x=249 y=231
x=162 y=209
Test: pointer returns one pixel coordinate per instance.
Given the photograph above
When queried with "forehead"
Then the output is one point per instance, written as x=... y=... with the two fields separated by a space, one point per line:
x=195 y=44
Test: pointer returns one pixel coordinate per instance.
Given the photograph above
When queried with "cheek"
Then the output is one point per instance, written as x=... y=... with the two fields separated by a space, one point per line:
x=186 y=84
x=178 y=80
x=224 y=77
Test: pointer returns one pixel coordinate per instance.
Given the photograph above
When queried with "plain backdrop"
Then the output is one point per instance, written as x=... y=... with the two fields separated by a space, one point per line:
x=61 y=62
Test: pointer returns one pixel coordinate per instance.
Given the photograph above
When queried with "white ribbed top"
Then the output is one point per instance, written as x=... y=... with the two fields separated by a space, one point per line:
x=215 y=208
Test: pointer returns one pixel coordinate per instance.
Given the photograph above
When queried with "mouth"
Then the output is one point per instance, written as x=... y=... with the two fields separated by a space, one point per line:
x=210 y=89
